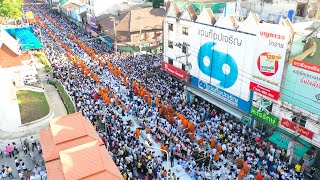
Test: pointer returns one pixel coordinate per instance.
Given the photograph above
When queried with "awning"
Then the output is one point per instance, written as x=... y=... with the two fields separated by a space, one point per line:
x=26 y=38
x=282 y=138
x=105 y=40
x=218 y=102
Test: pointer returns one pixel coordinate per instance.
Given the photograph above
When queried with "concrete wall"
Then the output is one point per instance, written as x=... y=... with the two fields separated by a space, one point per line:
x=268 y=11
x=9 y=109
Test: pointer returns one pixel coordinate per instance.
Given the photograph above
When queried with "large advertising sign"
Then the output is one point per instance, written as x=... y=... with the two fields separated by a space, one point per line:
x=220 y=62
x=269 y=58
x=302 y=83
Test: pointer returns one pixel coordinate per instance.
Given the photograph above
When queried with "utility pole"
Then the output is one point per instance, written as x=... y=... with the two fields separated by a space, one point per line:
x=114 y=33
x=293 y=139
x=139 y=18
x=187 y=66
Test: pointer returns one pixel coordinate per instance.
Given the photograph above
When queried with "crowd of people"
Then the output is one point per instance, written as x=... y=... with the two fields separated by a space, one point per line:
x=132 y=101
x=33 y=170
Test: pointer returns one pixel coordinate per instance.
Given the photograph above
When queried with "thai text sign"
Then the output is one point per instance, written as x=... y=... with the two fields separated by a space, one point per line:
x=263 y=116
x=271 y=48
x=301 y=130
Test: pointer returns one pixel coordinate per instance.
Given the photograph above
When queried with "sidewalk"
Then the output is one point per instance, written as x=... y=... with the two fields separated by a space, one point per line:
x=54 y=101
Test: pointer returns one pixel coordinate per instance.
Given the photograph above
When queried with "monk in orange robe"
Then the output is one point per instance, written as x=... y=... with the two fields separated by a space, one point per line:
x=240 y=175
x=245 y=168
x=219 y=148
x=212 y=143
x=157 y=101
x=216 y=156
x=149 y=101
x=137 y=133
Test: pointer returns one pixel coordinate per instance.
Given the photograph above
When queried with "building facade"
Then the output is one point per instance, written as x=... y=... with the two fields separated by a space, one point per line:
x=246 y=69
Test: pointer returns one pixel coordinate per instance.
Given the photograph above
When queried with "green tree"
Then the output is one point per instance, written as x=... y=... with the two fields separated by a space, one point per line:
x=11 y=8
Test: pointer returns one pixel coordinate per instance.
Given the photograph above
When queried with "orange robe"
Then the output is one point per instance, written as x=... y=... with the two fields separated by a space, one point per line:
x=219 y=148
x=149 y=101
x=245 y=168
x=212 y=143
x=137 y=133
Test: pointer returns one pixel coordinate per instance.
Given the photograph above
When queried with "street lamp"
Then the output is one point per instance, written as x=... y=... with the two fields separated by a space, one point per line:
x=152 y=147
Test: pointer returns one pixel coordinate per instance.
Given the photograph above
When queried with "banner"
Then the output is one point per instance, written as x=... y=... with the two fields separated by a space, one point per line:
x=174 y=71
x=270 y=54
x=301 y=130
x=219 y=60
x=263 y=116
x=302 y=84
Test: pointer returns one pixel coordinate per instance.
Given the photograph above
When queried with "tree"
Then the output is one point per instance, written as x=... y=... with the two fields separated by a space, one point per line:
x=11 y=9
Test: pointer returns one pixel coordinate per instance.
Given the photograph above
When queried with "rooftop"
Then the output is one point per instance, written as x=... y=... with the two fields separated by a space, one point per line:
x=151 y=18
x=75 y=164
x=66 y=132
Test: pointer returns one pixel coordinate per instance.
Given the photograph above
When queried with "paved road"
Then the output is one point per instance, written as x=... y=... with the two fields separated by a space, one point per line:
x=52 y=94
x=26 y=159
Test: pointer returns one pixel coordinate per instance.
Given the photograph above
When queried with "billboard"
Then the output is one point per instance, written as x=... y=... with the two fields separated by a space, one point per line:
x=269 y=58
x=220 y=62
x=302 y=84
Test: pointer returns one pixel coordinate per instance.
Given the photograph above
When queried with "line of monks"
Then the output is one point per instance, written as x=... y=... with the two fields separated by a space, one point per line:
x=105 y=93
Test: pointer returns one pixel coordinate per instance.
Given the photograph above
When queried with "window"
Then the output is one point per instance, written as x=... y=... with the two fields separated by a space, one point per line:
x=183 y=67
x=170 y=27
x=301 y=9
x=185 y=31
x=170 y=61
x=170 y=44
x=184 y=49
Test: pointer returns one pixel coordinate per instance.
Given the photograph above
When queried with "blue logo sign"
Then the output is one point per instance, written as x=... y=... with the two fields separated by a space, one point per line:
x=213 y=63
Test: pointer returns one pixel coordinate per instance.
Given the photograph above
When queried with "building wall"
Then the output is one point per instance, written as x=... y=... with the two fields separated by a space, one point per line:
x=269 y=10
x=280 y=109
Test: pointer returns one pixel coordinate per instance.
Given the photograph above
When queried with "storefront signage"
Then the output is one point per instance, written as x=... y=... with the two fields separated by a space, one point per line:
x=301 y=130
x=269 y=59
x=302 y=86
x=221 y=94
x=263 y=116
x=179 y=73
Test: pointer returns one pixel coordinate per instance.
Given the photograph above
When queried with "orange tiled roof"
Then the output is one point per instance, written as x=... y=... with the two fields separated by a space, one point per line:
x=88 y=161
x=54 y=170
x=9 y=58
x=151 y=18
x=64 y=133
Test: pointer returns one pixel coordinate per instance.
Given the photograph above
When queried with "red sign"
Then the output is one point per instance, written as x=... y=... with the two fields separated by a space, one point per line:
x=174 y=71
x=306 y=66
x=301 y=130
x=265 y=91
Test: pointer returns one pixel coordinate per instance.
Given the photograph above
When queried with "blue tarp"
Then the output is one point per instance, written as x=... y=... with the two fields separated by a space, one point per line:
x=25 y=37
x=106 y=41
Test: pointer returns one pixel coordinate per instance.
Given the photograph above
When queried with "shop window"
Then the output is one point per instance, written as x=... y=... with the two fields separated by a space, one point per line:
x=170 y=27
x=170 y=61
x=303 y=119
x=170 y=44
x=185 y=31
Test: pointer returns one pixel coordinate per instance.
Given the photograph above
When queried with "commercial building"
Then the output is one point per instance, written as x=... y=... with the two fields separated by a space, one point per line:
x=298 y=10
x=243 y=68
